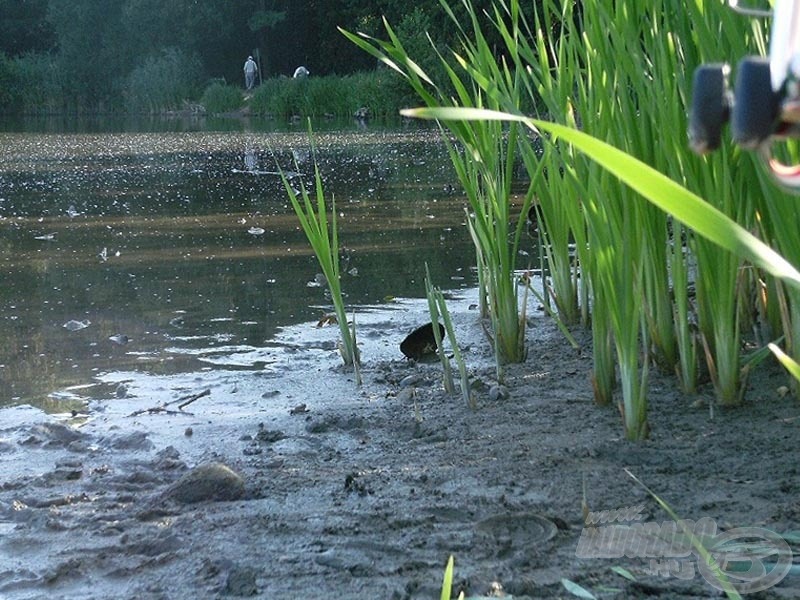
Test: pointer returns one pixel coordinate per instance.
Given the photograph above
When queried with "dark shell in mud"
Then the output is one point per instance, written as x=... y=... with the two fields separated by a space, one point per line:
x=420 y=342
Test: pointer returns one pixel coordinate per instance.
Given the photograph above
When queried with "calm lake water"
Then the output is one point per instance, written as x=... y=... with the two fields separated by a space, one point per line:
x=183 y=240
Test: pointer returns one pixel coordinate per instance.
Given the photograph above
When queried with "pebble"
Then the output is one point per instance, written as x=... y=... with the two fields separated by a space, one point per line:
x=241 y=581
x=54 y=434
x=135 y=440
x=168 y=459
x=498 y=392
x=75 y=325
x=410 y=380
x=269 y=436
x=67 y=470
x=406 y=395
x=207 y=482
x=78 y=446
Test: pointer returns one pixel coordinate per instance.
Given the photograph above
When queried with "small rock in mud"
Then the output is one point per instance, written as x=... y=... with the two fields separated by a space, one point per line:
x=136 y=440
x=69 y=569
x=52 y=435
x=168 y=459
x=66 y=470
x=151 y=542
x=352 y=483
x=522 y=586
x=75 y=325
x=330 y=558
x=335 y=422
x=78 y=446
x=268 y=436
x=120 y=339
x=498 y=392
x=407 y=395
x=211 y=481
x=241 y=581
x=410 y=380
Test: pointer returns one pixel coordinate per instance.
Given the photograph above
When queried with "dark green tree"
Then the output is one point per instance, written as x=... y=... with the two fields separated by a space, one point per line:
x=89 y=56
x=92 y=51
x=24 y=27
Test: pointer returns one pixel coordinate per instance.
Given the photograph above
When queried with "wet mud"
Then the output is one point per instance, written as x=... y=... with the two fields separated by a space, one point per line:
x=294 y=483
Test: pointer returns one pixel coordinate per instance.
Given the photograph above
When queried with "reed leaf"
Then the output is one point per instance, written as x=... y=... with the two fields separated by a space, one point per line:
x=787 y=361
x=723 y=582
x=484 y=155
x=658 y=189
x=323 y=235
x=433 y=309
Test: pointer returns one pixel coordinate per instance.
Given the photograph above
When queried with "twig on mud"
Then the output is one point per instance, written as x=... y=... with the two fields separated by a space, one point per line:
x=185 y=401
x=191 y=398
x=159 y=409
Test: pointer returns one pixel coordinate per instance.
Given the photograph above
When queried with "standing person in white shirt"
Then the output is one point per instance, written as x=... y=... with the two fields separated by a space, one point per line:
x=250 y=71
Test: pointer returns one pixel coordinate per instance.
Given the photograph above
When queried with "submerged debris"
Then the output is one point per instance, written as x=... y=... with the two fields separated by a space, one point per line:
x=120 y=338
x=74 y=325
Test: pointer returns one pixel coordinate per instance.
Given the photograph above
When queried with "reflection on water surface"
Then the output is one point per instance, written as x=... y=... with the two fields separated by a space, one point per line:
x=138 y=251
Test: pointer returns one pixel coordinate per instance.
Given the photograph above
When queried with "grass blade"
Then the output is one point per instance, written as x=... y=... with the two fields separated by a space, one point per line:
x=660 y=190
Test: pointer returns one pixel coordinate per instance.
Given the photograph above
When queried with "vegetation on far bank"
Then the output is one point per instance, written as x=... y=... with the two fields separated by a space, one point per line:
x=30 y=87
x=140 y=57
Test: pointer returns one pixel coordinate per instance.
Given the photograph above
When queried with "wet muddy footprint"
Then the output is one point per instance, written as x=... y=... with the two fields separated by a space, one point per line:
x=504 y=536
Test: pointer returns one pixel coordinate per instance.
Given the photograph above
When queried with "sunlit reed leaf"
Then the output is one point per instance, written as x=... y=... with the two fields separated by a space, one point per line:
x=658 y=189
x=324 y=239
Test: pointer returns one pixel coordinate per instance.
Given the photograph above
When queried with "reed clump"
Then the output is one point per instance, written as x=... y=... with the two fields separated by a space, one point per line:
x=321 y=96
x=221 y=98
x=162 y=82
x=484 y=155
x=666 y=280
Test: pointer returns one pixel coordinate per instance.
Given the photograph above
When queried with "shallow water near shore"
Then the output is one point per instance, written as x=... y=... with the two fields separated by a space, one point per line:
x=173 y=252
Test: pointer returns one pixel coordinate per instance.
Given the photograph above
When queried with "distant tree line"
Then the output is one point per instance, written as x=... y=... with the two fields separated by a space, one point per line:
x=90 y=55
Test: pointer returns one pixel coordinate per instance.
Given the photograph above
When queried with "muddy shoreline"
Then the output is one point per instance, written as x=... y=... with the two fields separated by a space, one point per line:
x=347 y=492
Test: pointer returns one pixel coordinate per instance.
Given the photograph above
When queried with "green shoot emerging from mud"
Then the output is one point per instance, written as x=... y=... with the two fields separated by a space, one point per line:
x=433 y=308
x=713 y=566
x=438 y=307
x=447 y=581
x=324 y=238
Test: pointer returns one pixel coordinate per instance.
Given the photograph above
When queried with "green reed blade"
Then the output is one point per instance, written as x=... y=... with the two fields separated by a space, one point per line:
x=433 y=309
x=657 y=188
x=323 y=236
